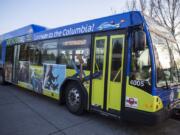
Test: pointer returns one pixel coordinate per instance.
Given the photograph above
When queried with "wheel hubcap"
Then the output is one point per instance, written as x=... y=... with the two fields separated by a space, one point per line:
x=74 y=97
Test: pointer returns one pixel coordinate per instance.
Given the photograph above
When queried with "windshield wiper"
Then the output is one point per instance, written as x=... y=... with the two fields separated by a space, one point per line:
x=167 y=85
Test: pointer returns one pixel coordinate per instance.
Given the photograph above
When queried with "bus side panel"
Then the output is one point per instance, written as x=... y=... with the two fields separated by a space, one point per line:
x=141 y=100
x=54 y=76
x=30 y=77
x=72 y=72
x=45 y=79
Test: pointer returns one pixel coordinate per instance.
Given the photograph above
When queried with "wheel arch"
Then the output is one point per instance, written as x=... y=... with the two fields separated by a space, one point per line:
x=78 y=82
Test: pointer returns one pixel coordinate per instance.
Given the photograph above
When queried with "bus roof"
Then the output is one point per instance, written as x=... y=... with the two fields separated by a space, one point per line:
x=29 y=29
x=36 y=32
x=106 y=23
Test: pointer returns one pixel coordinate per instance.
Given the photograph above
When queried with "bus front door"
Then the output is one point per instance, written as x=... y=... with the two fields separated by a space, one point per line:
x=99 y=68
x=108 y=67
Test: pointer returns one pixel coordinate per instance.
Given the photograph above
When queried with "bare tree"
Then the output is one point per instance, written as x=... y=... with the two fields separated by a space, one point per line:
x=143 y=5
x=131 y=5
x=151 y=8
x=114 y=11
x=136 y=4
x=167 y=13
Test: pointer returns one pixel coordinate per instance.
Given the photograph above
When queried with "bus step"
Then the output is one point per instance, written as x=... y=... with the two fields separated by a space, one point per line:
x=104 y=113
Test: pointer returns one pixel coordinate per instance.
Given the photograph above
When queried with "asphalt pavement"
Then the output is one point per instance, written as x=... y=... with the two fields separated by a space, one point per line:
x=25 y=113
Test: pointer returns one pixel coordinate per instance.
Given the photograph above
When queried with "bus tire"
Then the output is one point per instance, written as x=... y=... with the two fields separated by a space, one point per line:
x=74 y=99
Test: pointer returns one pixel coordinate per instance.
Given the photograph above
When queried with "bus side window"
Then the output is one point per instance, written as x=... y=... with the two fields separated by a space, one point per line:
x=9 y=54
x=140 y=74
x=49 y=51
x=99 y=57
x=69 y=56
x=24 y=53
x=66 y=57
x=35 y=54
x=74 y=51
x=116 y=59
x=82 y=57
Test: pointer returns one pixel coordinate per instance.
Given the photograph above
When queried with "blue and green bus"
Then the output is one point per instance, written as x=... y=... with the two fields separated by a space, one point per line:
x=124 y=66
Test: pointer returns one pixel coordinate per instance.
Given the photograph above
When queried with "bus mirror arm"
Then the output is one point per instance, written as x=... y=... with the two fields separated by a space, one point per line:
x=139 y=40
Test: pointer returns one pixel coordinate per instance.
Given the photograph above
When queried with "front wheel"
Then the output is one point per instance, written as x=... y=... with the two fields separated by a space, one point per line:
x=74 y=98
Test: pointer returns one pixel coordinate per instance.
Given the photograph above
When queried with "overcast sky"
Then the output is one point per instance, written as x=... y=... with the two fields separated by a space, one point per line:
x=54 y=13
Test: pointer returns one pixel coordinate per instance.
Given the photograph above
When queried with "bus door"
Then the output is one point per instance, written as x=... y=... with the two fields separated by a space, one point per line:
x=8 y=66
x=16 y=63
x=99 y=68
x=107 y=72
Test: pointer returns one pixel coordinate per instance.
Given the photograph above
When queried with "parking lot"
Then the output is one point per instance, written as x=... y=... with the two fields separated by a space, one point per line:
x=26 y=113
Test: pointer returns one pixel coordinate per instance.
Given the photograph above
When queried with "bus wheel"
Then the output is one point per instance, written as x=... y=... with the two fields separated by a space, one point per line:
x=74 y=101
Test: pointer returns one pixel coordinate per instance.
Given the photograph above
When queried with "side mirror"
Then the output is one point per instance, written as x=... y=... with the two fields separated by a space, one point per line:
x=140 y=40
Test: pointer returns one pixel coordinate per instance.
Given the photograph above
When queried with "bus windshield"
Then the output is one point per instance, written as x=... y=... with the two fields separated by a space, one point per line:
x=167 y=57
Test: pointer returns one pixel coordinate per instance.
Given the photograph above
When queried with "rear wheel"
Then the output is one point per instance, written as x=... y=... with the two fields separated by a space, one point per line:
x=74 y=99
